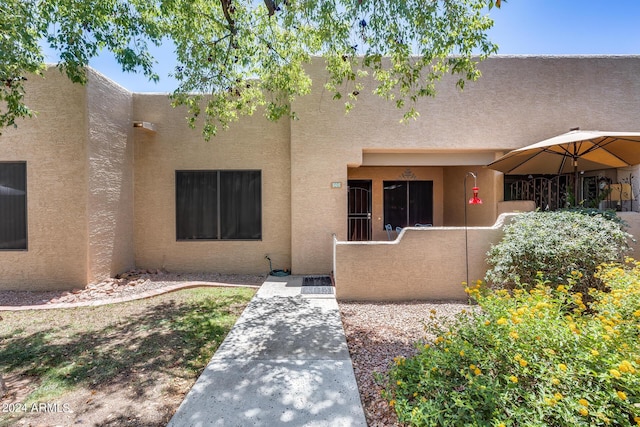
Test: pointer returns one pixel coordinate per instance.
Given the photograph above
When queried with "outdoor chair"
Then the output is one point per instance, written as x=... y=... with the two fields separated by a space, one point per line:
x=389 y=230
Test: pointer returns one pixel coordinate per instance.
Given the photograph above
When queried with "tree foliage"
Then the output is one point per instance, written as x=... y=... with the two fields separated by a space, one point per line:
x=245 y=54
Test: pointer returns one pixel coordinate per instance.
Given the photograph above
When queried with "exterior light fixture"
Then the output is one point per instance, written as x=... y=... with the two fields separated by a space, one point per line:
x=148 y=126
x=474 y=200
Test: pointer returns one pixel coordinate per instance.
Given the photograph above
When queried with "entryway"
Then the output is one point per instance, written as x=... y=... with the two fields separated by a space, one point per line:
x=359 y=214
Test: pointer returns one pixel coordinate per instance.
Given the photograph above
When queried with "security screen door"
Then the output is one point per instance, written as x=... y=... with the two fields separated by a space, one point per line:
x=359 y=205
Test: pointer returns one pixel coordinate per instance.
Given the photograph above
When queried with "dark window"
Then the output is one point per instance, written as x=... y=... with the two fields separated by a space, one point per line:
x=407 y=203
x=213 y=205
x=13 y=205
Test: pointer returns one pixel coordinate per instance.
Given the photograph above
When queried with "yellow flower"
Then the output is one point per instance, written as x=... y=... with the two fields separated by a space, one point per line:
x=555 y=381
x=399 y=382
x=562 y=367
x=487 y=322
x=637 y=420
x=477 y=371
x=461 y=353
x=626 y=366
x=514 y=335
x=502 y=321
x=583 y=402
x=523 y=362
x=392 y=403
x=615 y=373
x=583 y=411
x=595 y=353
x=513 y=379
x=472 y=367
x=502 y=425
x=622 y=395
x=557 y=396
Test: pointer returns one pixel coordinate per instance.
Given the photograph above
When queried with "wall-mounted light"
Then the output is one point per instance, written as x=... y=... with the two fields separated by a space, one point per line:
x=148 y=126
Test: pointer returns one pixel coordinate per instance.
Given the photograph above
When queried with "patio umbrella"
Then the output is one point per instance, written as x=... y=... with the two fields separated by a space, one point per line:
x=577 y=150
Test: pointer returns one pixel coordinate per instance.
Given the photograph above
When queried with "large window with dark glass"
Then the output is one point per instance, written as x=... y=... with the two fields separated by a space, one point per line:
x=407 y=203
x=13 y=205
x=219 y=205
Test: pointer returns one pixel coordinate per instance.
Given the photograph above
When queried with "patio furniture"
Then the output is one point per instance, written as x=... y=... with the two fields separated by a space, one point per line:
x=389 y=230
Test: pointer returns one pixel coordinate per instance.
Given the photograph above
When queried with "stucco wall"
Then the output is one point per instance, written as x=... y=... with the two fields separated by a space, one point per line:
x=54 y=146
x=422 y=264
x=632 y=221
x=517 y=101
x=254 y=143
x=110 y=179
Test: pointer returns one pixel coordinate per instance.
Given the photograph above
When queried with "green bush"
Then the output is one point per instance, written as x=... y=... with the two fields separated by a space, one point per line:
x=529 y=358
x=554 y=244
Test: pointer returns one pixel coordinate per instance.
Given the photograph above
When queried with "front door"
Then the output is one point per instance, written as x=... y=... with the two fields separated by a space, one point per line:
x=359 y=214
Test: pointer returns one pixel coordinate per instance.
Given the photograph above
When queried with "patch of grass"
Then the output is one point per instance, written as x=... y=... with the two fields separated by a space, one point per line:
x=128 y=344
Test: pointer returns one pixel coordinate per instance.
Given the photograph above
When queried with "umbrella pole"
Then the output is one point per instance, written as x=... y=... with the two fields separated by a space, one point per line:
x=575 y=183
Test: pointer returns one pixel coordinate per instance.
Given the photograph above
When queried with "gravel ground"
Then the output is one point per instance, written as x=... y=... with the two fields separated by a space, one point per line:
x=378 y=332
x=129 y=283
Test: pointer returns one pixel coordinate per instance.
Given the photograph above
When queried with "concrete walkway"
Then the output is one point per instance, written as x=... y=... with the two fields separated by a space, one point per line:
x=284 y=363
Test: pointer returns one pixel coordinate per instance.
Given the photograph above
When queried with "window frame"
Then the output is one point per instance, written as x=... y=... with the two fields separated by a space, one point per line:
x=218 y=226
x=26 y=212
x=406 y=222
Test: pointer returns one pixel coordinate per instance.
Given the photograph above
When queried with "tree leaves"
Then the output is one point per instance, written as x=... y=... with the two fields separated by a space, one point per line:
x=246 y=55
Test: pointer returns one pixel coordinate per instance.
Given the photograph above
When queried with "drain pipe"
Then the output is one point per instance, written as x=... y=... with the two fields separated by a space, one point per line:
x=333 y=272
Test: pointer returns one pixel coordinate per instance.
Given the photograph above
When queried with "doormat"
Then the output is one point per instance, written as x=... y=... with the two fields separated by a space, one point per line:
x=316 y=281
x=316 y=285
x=317 y=290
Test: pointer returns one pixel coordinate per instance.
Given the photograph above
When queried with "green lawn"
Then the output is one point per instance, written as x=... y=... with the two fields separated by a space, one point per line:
x=168 y=337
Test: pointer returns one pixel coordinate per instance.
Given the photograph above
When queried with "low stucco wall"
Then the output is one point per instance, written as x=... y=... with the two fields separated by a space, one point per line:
x=516 y=206
x=425 y=263
x=421 y=264
x=632 y=221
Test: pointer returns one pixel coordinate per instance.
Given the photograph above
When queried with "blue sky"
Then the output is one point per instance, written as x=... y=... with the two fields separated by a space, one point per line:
x=531 y=27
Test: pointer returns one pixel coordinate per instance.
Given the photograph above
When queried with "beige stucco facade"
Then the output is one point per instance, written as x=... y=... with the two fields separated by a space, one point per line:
x=255 y=144
x=79 y=161
x=101 y=194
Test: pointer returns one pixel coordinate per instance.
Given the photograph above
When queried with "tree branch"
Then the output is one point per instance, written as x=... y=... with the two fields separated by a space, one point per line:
x=271 y=6
x=228 y=9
